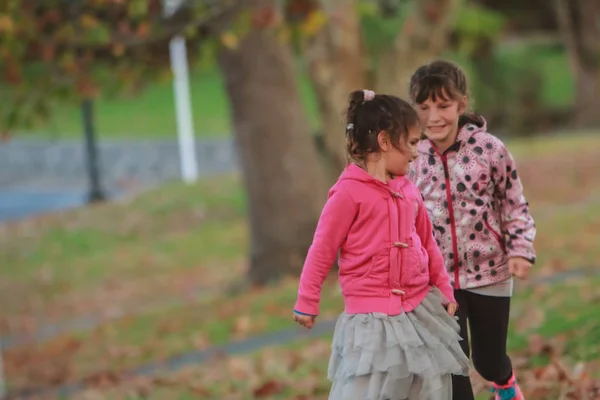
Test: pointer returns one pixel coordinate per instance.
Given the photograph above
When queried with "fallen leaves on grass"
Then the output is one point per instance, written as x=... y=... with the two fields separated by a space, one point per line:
x=297 y=372
x=158 y=334
x=546 y=184
x=268 y=388
x=49 y=367
x=555 y=379
x=114 y=299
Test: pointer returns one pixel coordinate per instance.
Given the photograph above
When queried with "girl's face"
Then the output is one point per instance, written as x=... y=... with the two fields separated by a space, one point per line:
x=439 y=119
x=398 y=158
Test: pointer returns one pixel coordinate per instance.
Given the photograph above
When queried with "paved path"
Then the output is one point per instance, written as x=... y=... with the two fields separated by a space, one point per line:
x=17 y=204
x=250 y=345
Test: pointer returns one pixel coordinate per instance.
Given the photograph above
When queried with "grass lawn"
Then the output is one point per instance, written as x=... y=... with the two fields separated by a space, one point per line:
x=172 y=241
x=152 y=113
x=168 y=243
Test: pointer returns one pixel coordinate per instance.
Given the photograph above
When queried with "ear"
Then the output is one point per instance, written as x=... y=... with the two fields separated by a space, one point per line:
x=462 y=105
x=383 y=139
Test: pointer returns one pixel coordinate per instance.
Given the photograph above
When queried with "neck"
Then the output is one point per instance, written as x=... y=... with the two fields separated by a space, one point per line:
x=444 y=144
x=377 y=170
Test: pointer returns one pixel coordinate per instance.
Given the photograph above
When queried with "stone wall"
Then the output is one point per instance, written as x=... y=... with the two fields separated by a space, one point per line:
x=61 y=164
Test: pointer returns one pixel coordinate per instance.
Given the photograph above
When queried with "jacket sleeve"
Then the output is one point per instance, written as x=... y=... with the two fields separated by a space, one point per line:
x=333 y=226
x=438 y=276
x=516 y=221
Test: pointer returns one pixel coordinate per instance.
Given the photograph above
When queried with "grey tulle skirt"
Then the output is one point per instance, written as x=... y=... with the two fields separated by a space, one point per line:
x=407 y=356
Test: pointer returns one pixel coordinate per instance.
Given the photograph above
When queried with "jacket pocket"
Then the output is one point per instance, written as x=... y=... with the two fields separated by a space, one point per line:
x=376 y=273
x=415 y=266
x=495 y=234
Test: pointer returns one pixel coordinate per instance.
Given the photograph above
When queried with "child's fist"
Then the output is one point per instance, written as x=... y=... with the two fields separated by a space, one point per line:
x=451 y=308
x=307 y=321
x=519 y=267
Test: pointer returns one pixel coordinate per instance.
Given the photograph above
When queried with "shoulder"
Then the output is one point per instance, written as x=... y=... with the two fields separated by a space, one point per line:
x=347 y=190
x=483 y=143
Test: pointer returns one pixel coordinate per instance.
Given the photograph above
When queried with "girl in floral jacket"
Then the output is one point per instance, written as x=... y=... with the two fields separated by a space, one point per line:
x=480 y=217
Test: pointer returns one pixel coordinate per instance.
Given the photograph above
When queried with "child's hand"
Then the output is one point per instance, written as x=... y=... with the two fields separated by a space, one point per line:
x=451 y=308
x=519 y=267
x=307 y=321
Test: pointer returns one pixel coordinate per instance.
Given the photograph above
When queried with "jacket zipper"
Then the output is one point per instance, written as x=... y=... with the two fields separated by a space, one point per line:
x=452 y=221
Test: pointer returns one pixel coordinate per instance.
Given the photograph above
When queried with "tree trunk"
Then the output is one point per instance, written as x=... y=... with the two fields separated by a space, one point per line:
x=338 y=63
x=578 y=22
x=424 y=36
x=337 y=66
x=282 y=174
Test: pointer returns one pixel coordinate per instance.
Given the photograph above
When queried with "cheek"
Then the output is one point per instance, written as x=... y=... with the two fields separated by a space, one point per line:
x=423 y=116
x=450 y=115
x=405 y=152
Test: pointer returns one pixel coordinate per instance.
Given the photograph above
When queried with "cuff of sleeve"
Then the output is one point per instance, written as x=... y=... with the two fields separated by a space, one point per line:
x=306 y=306
x=523 y=253
x=447 y=295
x=301 y=313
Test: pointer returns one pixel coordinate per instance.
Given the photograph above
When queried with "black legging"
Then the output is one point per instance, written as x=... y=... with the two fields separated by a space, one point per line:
x=488 y=322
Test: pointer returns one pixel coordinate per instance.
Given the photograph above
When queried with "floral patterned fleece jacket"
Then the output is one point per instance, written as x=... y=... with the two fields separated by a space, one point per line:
x=475 y=200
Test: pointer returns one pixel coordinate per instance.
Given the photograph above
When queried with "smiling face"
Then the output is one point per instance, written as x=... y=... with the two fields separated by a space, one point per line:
x=439 y=118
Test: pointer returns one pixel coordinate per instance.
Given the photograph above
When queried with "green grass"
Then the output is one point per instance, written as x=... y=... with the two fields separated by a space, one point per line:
x=569 y=238
x=152 y=113
x=165 y=215
x=566 y=311
x=173 y=234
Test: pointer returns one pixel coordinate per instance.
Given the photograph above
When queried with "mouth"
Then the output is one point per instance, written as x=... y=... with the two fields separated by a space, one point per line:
x=436 y=128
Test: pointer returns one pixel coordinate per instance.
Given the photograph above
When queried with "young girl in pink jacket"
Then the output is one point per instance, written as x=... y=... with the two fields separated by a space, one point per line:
x=481 y=219
x=395 y=340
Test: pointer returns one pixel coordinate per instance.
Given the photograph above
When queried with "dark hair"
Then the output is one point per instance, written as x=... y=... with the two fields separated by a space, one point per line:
x=445 y=80
x=365 y=119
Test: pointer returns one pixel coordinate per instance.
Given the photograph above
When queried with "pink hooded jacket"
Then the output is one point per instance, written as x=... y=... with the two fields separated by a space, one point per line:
x=388 y=258
x=475 y=200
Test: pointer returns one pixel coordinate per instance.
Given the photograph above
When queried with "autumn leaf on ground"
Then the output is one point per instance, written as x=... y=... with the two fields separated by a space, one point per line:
x=268 y=388
x=242 y=326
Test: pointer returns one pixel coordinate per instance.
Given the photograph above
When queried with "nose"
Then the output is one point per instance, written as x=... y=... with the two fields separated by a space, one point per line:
x=414 y=155
x=433 y=115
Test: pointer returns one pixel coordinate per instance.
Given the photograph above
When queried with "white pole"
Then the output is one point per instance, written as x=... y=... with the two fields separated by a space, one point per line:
x=183 y=107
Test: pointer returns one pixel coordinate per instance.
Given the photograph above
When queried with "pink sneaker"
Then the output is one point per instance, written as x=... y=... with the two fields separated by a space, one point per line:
x=510 y=391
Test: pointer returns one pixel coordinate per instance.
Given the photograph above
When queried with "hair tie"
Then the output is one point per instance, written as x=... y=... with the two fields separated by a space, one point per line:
x=369 y=95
